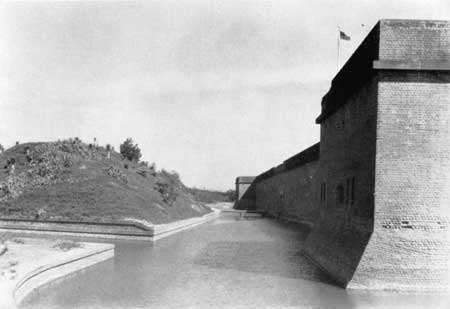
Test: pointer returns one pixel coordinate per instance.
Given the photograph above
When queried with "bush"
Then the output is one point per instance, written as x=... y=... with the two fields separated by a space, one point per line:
x=142 y=172
x=167 y=192
x=67 y=160
x=11 y=188
x=143 y=164
x=116 y=173
x=130 y=151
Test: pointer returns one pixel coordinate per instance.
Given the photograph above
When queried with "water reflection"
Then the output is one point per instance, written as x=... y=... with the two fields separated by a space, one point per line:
x=229 y=262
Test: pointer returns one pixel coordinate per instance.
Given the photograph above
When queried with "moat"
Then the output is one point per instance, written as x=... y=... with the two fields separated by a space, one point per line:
x=229 y=262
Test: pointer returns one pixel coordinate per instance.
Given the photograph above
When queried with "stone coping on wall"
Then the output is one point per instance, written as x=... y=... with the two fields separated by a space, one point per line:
x=308 y=155
x=244 y=179
x=134 y=230
x=164 y=230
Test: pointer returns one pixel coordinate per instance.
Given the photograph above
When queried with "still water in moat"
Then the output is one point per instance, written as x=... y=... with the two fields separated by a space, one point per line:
x=225 y=263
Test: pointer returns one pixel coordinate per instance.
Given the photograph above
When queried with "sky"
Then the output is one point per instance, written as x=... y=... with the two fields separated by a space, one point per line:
x=210 y=89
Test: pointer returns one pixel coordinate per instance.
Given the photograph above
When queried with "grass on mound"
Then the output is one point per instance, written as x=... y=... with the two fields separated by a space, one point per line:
x=71 y=180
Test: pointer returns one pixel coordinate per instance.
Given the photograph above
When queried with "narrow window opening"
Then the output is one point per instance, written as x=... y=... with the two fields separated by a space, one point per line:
x=352 y=190
x=339 y=194
x=347 y=191
x=323 y=192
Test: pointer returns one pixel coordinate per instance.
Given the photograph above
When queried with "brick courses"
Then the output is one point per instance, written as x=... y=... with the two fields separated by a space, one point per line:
x=380 y=191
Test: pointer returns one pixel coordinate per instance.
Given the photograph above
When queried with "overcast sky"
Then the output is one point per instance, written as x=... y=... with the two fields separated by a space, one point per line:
x=211 y=89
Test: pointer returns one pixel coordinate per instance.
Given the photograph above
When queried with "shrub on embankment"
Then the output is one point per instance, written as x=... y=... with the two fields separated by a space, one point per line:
x=72 y=180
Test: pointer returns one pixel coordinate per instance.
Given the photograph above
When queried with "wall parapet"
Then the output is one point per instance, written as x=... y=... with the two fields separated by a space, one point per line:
x=273 y=190
x=306 y=156
x=244 y=179
x=384 y=48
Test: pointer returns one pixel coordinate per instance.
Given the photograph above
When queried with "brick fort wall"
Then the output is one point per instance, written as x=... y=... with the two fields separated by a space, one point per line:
x=380 y=189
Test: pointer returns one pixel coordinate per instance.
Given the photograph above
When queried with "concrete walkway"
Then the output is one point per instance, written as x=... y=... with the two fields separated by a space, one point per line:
x=27 y=264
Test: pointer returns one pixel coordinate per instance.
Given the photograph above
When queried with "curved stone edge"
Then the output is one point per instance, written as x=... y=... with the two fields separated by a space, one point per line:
x=164 y=230
x=48 y=273
x=83 y=235
x=94 y=229
x=130 y=231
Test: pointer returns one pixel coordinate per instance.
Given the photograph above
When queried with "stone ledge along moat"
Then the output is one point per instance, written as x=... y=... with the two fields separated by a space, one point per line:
x=229 y=262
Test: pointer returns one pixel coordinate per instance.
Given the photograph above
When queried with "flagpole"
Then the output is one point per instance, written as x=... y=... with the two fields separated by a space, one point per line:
x=338 y=47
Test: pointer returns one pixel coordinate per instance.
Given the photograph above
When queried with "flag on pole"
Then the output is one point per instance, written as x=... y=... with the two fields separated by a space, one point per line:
x=343 y=36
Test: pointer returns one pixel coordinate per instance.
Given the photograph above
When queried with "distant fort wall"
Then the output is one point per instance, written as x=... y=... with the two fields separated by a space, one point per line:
x=379 y=192
x=285 y=191
x=245 y=193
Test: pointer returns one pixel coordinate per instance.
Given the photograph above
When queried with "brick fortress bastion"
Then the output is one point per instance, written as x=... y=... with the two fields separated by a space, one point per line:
x=378 y=194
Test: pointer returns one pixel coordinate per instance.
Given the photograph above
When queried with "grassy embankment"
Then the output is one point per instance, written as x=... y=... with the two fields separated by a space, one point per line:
x=70 y=180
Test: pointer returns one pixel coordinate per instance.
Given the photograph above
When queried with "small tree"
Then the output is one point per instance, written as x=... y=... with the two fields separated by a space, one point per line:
x=1 y=148
x=231 y=195
x=108 y=151
x=130 y=151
